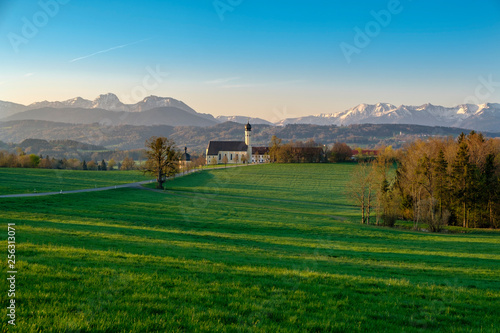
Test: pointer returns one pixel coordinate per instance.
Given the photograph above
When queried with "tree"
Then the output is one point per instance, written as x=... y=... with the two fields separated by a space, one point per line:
x=361 y=190
x=340 y=152
x=162 y=159
x=462 y=174
x=84 y=165
x=199 y=161
x=244 y=158
x=236 y=159
x=274 y=148
x=225 y=160
x=111 y=164
x=128 y=163
x=440 y=170
x=103 y=166
x=92 y=165
x=34 y=160
x=489 y=187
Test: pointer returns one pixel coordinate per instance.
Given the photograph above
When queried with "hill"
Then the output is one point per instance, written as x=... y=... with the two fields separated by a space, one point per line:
x=242 y=250
x=125 y=137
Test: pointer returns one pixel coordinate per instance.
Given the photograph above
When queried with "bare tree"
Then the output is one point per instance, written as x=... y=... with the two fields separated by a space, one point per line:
x=361 y=190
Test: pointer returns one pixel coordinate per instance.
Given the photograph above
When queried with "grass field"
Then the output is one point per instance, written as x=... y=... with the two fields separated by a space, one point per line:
x=258 y=249
x=20 y=181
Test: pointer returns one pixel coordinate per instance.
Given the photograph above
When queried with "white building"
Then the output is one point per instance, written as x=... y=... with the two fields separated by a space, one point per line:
x=233 y=152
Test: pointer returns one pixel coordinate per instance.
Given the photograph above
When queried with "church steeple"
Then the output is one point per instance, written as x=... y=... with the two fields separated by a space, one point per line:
x=248 y=133
x=248 y=140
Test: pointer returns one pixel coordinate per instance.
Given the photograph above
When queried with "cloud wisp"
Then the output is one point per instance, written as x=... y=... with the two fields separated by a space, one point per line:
x=223 y=80
x=109 y=50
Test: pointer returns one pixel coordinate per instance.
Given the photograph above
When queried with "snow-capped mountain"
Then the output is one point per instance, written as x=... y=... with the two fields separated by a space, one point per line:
x=108 y=102
x=111 y=102
x=483 y=117
x=243 y=120
x=153 y=102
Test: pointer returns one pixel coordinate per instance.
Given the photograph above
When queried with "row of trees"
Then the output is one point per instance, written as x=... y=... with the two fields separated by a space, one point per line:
x=295 y=151
x=21 y=160
x=308 y=152
x=438 y=182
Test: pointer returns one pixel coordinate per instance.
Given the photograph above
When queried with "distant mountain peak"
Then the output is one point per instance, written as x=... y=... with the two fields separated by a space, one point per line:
x=109 y=102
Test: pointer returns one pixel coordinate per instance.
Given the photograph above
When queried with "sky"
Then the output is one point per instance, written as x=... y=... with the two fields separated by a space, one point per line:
x=270 y=59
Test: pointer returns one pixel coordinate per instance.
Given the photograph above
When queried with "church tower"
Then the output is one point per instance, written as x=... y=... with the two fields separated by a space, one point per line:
x=248 y=141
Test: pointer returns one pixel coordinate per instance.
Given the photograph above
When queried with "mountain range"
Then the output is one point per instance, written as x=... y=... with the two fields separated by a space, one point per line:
x=127 y=137
x=482 y=117
x=108 y=110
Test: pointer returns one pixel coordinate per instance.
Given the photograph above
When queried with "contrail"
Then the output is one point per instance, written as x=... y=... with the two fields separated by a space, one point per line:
x=108 y=50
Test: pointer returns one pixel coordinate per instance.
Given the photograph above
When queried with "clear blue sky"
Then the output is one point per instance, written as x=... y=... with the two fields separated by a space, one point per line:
x=272 y=59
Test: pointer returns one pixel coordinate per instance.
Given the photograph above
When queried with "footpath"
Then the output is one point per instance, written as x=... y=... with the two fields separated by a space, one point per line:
x=107 y=188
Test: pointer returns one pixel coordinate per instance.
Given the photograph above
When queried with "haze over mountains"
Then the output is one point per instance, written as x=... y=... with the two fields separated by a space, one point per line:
x=108 y=110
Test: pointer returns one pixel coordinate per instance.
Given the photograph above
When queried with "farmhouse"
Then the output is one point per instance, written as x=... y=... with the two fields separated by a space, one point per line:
x=233 y=152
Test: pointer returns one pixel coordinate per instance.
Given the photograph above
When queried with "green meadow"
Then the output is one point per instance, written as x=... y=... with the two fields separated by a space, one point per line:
x=23 y=181
x=270 y=248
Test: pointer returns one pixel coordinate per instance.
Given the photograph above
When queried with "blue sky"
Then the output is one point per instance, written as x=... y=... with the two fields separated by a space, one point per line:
x=252 y=57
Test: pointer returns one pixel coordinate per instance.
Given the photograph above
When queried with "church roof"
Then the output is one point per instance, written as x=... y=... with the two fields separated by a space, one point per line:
x=260 y=150
x=214 y=147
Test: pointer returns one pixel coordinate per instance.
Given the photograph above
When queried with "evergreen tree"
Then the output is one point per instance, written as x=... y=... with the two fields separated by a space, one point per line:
x=103 y=166
x=84 y=165
x=462 y=177
x=440 y=170
x=489 y=187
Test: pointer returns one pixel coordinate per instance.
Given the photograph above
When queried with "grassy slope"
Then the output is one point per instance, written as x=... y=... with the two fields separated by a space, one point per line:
x=258 y=248
x=19 y=181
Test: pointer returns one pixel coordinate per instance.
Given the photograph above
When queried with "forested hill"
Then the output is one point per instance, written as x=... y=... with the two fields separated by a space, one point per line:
x=127 y=137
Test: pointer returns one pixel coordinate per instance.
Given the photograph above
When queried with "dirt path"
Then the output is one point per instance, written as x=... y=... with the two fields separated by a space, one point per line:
x=114 y=187
x=107 y=188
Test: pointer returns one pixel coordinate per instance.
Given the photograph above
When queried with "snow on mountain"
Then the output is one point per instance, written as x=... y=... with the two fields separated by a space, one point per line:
x=465 y=116
x=244 y=120
x=482 y=117
x=109 y=102
x=153 y=102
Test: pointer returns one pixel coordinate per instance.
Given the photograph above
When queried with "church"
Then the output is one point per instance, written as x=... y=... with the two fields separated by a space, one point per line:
x=234 y=152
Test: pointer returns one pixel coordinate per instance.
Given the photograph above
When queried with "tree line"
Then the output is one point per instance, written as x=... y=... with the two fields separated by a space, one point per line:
x=22 y=160
x=439 y=181
x=308 y=151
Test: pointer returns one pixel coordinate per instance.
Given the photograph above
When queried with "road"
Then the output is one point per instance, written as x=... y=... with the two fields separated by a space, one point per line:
x=107 y=188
